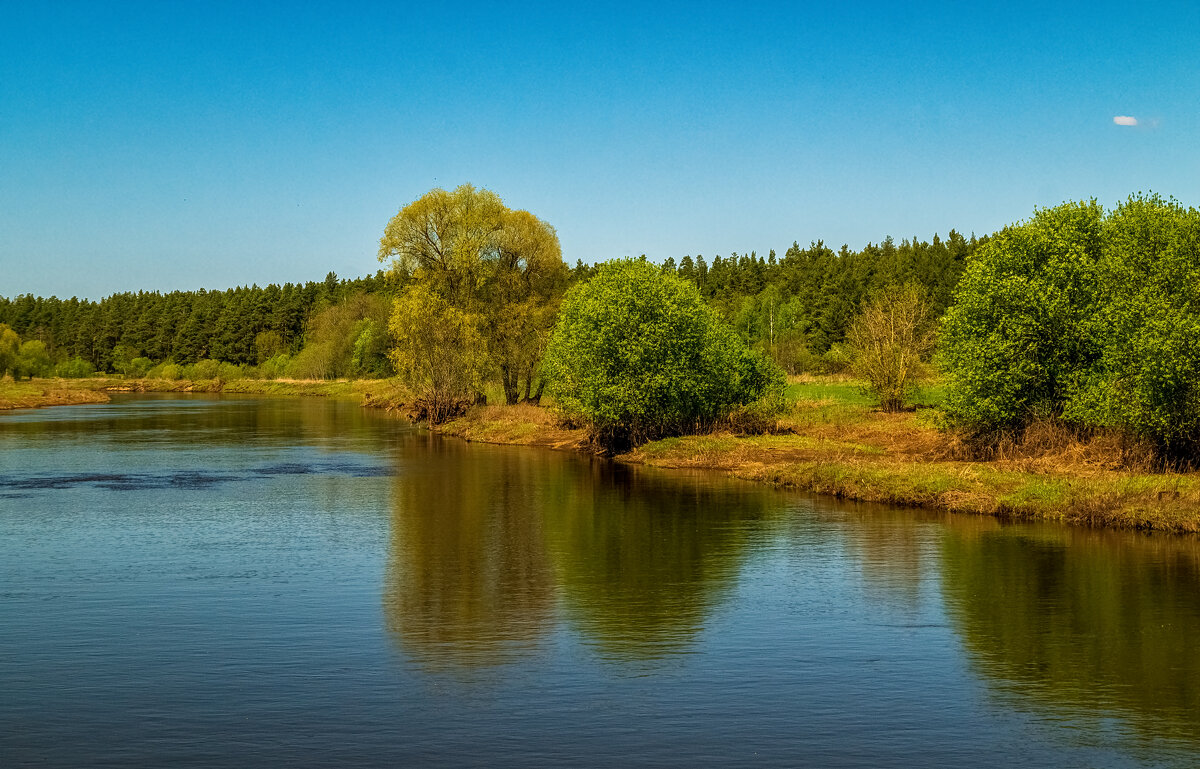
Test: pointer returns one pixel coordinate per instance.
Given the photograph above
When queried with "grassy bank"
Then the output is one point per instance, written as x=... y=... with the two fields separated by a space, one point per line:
x=45 y=392
x=834 y=442
x=519 y=425
x=58 y=392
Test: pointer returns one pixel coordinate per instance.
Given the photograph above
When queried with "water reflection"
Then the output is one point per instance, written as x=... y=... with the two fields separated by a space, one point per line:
x=214 y=420
x=487 y=543
x=468 y=579
x=642 y=557
x=895 y=550
x=1083 y=623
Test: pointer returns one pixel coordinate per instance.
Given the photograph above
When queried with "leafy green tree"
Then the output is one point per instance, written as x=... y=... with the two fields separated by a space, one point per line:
x=890 y=343
x=122 y=358
x=335 y=337
x=75 y=368
x=1019 y=336
x=638 y=354
x=440 y=353
x=525 y=287
x=32 y=359
x=268 y=344
x=10 y=345
x=501 y=267
x=1147 y=326
x=139 y=367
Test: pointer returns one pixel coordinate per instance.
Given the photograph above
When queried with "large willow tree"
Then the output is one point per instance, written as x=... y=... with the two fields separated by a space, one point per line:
x=501 y=270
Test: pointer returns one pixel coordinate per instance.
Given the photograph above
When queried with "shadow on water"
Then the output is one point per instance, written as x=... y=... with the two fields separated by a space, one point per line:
x=489 y=546
x=1081 y=624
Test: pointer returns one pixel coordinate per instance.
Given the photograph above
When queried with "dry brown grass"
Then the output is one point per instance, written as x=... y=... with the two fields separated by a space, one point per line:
x=1049 y=473
x=820 y=378
x=1052 y=446
x=522 y=424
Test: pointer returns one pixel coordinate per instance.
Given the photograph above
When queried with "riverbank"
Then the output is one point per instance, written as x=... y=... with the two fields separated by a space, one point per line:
x=834 y=443
x=831 y=442
x=38 y=393
x=45 y=392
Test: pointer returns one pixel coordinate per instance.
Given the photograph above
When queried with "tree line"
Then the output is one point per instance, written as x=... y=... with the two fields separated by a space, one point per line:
x=797 y=309
x=317 y=329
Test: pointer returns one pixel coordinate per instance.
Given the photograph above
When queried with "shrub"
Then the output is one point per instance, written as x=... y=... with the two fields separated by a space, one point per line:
x=790 y=350
x=32 y=359
x=276 y=366
x=1089 y=318
x=139 y=367
x=171 y=371
x=1147 y=324
x=440 y=355
x=890 y=342
x=75 y=368
x=229 y=372
x=637 y=354
x=203 y=369
x=835 y=360
x=1018 y=337
x=10 y=344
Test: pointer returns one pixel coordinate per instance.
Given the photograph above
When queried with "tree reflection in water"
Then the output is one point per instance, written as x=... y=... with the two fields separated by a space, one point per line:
x=642 y=558
x=468 y=580
x=1088 y=624
x=487 y=542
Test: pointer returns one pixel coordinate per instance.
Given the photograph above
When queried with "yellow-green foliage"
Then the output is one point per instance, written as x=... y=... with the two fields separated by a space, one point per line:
x=10 y=343
x=501 y=268
x=440 y=354
x=890 y=342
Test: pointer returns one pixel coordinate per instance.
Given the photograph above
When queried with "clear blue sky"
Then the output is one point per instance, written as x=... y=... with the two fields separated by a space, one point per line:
x=184 y=145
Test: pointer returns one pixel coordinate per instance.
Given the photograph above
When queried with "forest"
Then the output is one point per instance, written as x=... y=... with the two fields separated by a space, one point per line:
x=796 y=308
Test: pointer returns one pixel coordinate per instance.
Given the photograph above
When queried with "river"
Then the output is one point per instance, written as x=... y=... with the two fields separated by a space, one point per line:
x=239 y=581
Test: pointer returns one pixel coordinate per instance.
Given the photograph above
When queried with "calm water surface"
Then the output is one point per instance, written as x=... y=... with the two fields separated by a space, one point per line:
x=229 y=582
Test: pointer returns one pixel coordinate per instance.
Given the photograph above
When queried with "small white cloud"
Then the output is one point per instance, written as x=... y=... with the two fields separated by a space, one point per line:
x=1125 y=120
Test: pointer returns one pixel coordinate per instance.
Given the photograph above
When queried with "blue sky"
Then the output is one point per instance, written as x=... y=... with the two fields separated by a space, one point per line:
x=171 y=146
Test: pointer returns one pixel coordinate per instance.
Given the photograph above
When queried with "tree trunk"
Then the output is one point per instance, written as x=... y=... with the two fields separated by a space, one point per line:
x=528 y=382
x=509 y=381
x=537 y=396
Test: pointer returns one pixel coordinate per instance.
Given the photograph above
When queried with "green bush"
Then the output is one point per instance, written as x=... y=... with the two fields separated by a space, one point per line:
x=637 y=354
x=139 y=367
x=1147 y=321
x=231 y=371
x=889 y=344
x=1019 y=336
x=75 y=368
x=276 y=366
x=835 y=360
x=32 y=359
x=10 y=345
x=1087 y=317
x=203 y=369
x=172 y=371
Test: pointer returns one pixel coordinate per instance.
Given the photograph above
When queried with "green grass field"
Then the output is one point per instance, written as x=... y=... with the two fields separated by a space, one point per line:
x=851 y=392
